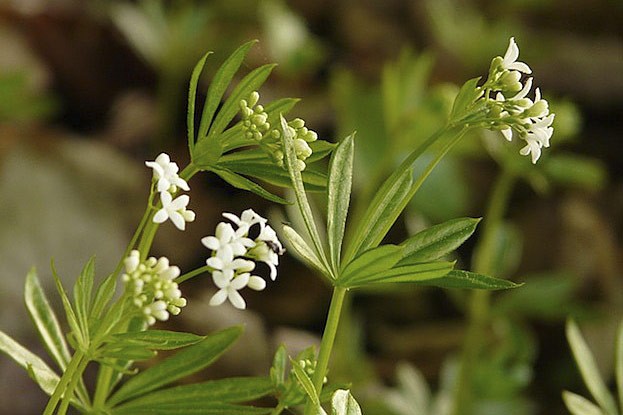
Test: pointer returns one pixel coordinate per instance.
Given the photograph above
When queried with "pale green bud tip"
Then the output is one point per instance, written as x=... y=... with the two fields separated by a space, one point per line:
x=254 y=98
x=297 y=123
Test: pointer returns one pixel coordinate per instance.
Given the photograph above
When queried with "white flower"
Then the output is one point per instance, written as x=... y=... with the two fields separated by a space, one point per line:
x=174 y=210
x=268 y=249
x=509 y=61
x=247 y=219
x=165 y=172
x=224 y=262
x=229 y=288
x=225 y=235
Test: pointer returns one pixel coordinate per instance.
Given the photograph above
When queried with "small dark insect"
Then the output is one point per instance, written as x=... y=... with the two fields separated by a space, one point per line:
x=275 y=248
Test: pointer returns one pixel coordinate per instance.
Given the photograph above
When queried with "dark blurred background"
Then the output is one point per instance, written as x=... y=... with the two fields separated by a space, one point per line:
x=90 y=89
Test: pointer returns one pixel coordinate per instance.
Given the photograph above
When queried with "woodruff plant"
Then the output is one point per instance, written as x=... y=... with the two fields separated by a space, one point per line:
x=116 y=332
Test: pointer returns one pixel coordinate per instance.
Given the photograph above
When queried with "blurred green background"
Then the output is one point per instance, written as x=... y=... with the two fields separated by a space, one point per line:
x=90 y=89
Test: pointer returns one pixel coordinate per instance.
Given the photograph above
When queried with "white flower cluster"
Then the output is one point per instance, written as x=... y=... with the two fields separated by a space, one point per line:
x=151 y=285
x=234 y=253
x=256 y=127
x=167 y=184
x=512 y=109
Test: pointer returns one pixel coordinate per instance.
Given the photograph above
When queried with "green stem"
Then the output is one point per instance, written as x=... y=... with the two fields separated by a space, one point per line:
x=71 y=371
x=69 y=392
x=194 y=273
x=479 y=302
x=328 y=338
x=279 y=409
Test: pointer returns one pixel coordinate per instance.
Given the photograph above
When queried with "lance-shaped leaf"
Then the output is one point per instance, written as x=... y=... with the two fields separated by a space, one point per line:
x=184 y=363
x=230 y=390
x=343 y=403
x=241 y=182
x=299 y=192
x=83 y=290
x=278 y=369
x=370 y=264
x=470 y=280
x=305 y=382
x=41 y=373
x=437 y=241
x=578 y=405
x=338 y=195
x=72 y=319
x=423 y=274
x=189 y=408
x=256 y=163
x=589 y=370
x=251 y=82
x=45 y=320
x=219 y=85
x=380 y=215
x=303 y=250
x=192 y=98
x=155 y=339
x=103 y=295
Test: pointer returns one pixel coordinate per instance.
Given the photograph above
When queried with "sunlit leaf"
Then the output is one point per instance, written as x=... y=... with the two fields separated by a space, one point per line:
x=370 y=264
x=303 y=250
x=343 y=403
x=578 y=405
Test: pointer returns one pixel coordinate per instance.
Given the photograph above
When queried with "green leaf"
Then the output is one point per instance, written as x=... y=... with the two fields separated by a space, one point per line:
x=423 y=274
x=39 y=370
x=381 y=214
x=255 y=162
x=156 y=339
x=83 y=289
x=370 y=264
x=192 y=98
x=189 y=408
x=251 y=82
x=241 y=182
x=578 y=405
x=230 y=390
x=305 y=382
x=439 y=240
x=588 y=368
x=103 y=295
x=576 y=171
x=134 y=353
x=471 y=280
x=338 y=195
x=468 y=94
x=72 y=320
x=343 y=403
x=184 y=363
x=45 y=320
x=234 y=138
x=303 y=250
x=219 y=85
x=299 y=192
x=278 y=369
x=619 y=363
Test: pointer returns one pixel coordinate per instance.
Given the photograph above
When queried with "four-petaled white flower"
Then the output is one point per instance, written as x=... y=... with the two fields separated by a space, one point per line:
x=225 y=262
x=174 y=210
x=225 y=235
x=229 y=287
x=165 y=172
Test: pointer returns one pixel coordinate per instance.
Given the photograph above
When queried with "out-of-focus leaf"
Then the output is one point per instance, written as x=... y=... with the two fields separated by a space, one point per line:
x=45 y=320
x=575 y=171
x=588 y=368
x=468 y=94
x=578 y=405
x=618 y=357
x=343 y=403
x=439 y=240
x=37 y=368
x=278 y=369
x=189 y=408
x=184 y=363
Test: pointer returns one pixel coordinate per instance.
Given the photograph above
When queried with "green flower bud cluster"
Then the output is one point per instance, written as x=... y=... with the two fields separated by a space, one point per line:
x=257 y=128
x=151 y=287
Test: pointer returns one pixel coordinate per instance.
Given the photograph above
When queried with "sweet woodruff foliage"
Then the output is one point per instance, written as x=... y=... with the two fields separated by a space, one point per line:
x=261 y=147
